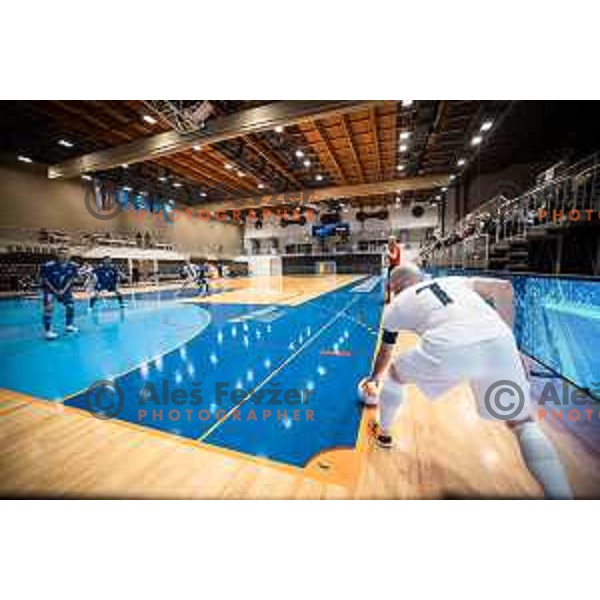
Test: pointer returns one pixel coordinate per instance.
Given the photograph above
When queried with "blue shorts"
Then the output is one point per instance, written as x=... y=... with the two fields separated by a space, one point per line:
x=49 y=295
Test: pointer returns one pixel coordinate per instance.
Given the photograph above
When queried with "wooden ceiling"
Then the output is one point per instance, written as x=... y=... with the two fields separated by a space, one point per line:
x=363 y=146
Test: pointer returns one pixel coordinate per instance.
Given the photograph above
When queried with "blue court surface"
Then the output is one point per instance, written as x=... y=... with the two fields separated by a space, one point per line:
x=272 y=381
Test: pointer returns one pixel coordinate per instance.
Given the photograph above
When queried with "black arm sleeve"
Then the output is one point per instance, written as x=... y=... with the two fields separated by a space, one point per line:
x=389 y=337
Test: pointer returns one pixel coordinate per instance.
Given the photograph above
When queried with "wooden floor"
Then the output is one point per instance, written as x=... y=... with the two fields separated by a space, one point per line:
x=289 y=290
x=443 y=451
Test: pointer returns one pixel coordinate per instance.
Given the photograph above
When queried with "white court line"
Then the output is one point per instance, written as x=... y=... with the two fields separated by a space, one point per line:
x=286 y=362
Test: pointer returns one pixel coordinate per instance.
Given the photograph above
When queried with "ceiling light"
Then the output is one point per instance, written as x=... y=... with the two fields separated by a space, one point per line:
x=404 y=135
x=65 y=143
x=476 y=140
x=261 y=186
x=124 y=166
x=461 y=162
x=306 y=163
x=203 y=194
x=400 y=167
x=487 y=125
x=86 y=177
x=228 y=166
x=241 y=174
x=24 y=159
x=299 y=153
x=438 y=197
x=444 y=189
x=319 y=177
x=407 y=103
x=279 y=129
x=196 y=147
x=162 y=179
x=127 y=189
x=452 y=177
x=143 y=193
x=177 y=184
x=149 y=119
x=403 y=148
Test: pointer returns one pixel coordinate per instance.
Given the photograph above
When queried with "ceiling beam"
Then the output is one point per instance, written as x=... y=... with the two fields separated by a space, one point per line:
x=348 y=135
x=227 y=127
x=373 y=120
x=323 y=135
x=361 y=190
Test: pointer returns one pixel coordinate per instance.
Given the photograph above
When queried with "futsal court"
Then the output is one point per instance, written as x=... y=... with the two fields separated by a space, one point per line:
x=193 y=293
x=315 y=333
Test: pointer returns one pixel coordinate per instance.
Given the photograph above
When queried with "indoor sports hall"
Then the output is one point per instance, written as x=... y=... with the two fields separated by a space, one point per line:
x=195 y=297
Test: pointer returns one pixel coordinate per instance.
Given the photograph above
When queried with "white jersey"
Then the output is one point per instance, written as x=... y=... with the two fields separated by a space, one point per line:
x=446 y=312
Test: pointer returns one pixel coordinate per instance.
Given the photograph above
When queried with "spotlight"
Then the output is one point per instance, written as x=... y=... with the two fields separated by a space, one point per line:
x=279 y=129
x=65 y=143
x=149 y=119
x=461 y=162
x=162 y=179
x=24 y=159
x=86 y=177
x=404 y=135
x=177 y=184
x=400 y=168
x=299 y=153
x=487 y=125
x=476 y=140
x=403 y=148
x=196 y=147
x=306 y=163
x=124 y=166
x=407 y=103
x=319 y=177
x=228 y=166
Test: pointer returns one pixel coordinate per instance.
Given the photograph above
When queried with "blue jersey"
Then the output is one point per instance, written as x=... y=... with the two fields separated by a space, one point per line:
x=58 y=275
x=107 y=277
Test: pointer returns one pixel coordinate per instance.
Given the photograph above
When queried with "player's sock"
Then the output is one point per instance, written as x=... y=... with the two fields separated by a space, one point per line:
x=93 y=300
x=543 y=461
x=390 y=399
x=47 y=321
x=70 y=314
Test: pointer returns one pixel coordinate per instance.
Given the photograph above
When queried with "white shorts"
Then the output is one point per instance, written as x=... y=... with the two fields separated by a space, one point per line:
x=492 y=367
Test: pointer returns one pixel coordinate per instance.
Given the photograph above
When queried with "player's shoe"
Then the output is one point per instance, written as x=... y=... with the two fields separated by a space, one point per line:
x=50 y=335
x=383 y=440
x=72 y=329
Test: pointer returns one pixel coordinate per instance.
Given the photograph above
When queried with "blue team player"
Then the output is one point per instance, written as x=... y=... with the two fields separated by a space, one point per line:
x=108 y=275
x=57 y=280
